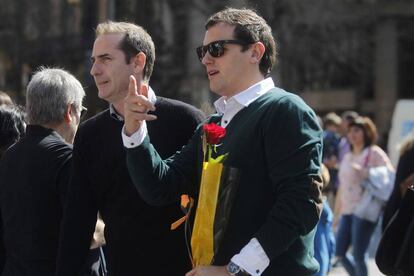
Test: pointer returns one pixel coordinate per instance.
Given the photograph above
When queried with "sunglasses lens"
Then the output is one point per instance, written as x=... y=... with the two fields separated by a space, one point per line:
x=216 y=49
x=200 y=52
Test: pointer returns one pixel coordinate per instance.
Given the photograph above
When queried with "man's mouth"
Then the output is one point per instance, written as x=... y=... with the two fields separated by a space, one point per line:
x=99 y=83
x=211 y=73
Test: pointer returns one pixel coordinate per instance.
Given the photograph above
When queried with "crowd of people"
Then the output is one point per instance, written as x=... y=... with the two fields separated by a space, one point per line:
x=151 y=186
x=363 y=191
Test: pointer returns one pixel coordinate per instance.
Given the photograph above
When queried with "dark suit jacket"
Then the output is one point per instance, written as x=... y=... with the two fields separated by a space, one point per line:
x=34 y=174
x=138 y=236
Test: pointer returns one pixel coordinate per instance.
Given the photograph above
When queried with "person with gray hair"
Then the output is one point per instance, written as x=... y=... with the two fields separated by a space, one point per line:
x=35 y=171
x=52 y=96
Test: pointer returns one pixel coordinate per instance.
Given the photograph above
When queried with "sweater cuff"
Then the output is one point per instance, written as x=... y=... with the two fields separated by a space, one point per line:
x=252 y=258
x=136 y=138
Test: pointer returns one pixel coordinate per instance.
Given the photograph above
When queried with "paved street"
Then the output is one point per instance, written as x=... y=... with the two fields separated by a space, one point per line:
x=372 y=270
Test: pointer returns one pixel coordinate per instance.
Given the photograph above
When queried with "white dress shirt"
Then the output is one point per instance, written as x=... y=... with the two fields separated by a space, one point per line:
x=252 y=258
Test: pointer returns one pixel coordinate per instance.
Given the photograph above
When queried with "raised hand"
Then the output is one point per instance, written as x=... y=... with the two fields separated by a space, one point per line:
x=136 y=106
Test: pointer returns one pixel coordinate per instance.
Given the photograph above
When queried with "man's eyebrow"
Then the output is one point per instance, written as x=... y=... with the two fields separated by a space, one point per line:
x=100 y=56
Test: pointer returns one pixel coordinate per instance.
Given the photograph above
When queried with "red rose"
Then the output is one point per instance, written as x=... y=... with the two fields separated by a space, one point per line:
x=214 y=133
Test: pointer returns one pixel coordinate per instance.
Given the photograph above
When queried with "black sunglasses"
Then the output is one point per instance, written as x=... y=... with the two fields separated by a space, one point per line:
x=216 y=48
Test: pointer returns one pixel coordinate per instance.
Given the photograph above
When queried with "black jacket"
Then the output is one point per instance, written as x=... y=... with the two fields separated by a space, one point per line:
x=395 y=253
x=33 y=180
x=138 y=236
x=404 y=169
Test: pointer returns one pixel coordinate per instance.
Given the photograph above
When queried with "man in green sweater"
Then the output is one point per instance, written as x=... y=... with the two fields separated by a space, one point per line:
x=252 y=169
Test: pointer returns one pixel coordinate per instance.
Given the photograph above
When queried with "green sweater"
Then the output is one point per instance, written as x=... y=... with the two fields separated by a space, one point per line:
x=274 y=146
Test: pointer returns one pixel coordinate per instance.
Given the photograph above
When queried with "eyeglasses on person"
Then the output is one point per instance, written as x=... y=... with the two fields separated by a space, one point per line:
x=83 y=110
x=216 y=48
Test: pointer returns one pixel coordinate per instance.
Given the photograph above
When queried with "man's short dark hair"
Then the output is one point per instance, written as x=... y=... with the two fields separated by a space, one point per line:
x=135 y=40
x=249 y=27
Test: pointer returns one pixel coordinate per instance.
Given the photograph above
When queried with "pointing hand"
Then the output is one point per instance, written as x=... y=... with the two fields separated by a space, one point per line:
x=136 y=106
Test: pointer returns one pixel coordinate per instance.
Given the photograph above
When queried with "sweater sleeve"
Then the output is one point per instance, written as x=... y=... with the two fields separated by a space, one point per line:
x=293 y=146
x=161 y=182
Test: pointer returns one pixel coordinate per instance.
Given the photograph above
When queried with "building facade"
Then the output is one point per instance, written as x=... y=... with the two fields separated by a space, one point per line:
x=337 y=55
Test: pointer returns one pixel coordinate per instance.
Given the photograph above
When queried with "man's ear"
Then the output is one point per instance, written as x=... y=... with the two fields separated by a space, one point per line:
x=257 y=52
x=67 y=116
x=139 y=61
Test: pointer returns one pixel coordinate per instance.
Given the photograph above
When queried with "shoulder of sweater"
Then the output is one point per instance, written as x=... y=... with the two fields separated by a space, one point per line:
x=101 y=122
x=167 y=102
x=282 y=97
x=179 y=106
x=103 y=115
x=96 y=121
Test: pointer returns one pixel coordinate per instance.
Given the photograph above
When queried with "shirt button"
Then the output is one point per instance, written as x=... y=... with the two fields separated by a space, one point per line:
x=132 y=144
x=257 y=271
x=225 y=121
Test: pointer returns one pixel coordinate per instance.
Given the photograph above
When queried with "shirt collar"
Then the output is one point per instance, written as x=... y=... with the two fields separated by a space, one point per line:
x=246 y=97
x=115 y=115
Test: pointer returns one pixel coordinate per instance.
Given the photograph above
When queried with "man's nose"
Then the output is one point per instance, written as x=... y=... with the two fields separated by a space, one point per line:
x=94 y=69
x=207 y=59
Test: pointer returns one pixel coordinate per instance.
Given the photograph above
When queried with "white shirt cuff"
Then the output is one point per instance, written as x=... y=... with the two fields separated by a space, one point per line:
x=252 y=258
x=136 y=138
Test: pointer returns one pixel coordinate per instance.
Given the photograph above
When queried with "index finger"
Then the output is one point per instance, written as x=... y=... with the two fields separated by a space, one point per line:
x=132 y=87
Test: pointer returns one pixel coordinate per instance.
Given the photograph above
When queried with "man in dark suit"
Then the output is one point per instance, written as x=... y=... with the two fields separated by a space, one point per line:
x=34 y=174
x=258 y=189
x=138 y=236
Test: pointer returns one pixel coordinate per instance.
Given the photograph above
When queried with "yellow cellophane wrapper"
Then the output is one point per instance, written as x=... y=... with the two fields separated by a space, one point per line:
x=202 y=240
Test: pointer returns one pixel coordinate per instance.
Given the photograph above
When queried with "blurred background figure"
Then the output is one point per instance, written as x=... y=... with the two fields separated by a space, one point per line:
x=395 y=252
x=324 y=237
x=5 y=99
x=331 y=138
x=12 y=126
x=347 y=118
x=353 y=231
x=403 y=179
